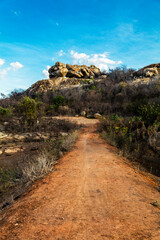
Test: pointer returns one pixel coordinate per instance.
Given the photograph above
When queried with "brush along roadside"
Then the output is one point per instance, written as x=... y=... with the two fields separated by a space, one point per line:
x=16 y=180
x=134 y=139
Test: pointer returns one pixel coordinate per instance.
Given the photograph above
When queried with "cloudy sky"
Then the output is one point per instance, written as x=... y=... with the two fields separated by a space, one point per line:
x=35 y=34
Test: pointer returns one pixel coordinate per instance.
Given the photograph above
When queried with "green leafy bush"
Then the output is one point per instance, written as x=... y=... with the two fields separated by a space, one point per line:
x=134 y=138
x=4 y=111
x=149 y=112
x=93 y=87
x=57 y=102
x=28 y=109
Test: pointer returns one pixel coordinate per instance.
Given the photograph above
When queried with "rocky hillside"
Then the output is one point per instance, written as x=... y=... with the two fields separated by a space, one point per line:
x=148 y=71
x=88 y=89
x=66 y=75
x=62 y=75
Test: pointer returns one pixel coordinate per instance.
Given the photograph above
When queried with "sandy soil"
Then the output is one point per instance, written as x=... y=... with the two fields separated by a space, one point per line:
x=92 y=195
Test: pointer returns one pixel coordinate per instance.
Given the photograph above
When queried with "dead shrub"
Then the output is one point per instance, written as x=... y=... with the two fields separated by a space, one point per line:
x=37 y=168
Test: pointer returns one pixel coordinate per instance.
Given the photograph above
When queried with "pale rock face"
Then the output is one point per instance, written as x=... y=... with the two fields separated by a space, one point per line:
x=73 y=71
x=58 y=70
x=61 y=72
x=41 y=86
x=60 y=65
x=148 y=71
x=149 y=74
x=73 y=74
x=154 y=70
x=83 y=113
x=97 y=115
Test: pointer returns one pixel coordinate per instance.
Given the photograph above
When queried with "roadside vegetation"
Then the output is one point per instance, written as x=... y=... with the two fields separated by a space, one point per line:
x=30 y=144
x=137 y=137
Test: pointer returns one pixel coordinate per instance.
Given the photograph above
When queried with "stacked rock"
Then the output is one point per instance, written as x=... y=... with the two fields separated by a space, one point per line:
x=73 y=71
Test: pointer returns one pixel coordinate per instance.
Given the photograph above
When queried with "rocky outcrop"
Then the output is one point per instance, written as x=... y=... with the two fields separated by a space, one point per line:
x=40 y=86
x=58 y=70
x=73 y=71
x=43 y=86
x=148 y=71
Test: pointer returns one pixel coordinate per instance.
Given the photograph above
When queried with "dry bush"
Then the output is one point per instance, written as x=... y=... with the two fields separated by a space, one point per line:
x=68 y=141
x=37 y=168
x=44 y=162
x=65 y=110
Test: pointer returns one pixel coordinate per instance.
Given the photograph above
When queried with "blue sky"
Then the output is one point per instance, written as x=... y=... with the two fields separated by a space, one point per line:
x=35 y=34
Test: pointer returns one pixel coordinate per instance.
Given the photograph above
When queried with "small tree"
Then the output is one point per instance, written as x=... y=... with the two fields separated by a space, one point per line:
x=28 y=109
x=57 y=101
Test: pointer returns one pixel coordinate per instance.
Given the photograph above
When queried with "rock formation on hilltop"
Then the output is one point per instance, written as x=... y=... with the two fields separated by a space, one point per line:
x=66 y=75
x=73 y=71
x=148 y=71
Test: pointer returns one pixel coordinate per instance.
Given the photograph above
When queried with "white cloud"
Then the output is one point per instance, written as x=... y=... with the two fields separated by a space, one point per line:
x=13 y=67
x=1 y=61
x=16 y=65
x=100 y=60
x=45 y=72
x=61 y=53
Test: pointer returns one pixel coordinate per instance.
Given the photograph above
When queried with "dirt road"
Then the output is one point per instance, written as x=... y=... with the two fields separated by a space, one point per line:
x=92 y=195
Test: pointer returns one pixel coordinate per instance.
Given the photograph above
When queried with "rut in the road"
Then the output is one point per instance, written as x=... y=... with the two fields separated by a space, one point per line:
x=92 y=195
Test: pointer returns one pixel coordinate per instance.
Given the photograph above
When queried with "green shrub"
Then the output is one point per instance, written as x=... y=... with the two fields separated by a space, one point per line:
x=57 y=102
x=149 y=112
x=28 y=109
x=5 y=113
x=100 y=90
x=93 y=87
x=136 y=101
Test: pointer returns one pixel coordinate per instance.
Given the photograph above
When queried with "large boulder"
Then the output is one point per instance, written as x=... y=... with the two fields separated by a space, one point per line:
x=73 y=74
x=95 y=70
x=58 y=70
x=73 y=71
x=97 y=116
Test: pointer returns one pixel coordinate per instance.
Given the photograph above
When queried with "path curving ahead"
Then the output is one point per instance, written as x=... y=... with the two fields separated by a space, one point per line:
x=92 y=195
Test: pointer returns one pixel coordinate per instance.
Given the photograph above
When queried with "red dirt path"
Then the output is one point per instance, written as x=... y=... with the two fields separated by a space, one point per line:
x=92 y=195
